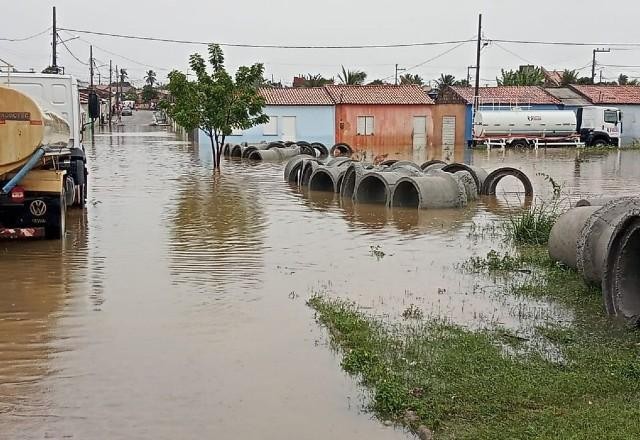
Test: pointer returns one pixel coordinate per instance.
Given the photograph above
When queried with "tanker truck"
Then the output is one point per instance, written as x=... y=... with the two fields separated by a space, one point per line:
x=588 y=126
x=42 y=160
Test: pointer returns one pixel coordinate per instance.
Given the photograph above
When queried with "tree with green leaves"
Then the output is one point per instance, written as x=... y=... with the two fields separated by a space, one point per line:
x=624 y=80
x=316 y=81
x=585 y=80
x=569 y=77
x=377 y=82
x=149 y=93
x=216 y=102
x=352 y=77
x=445 y=80
x=150 y=78
x=525 y=76
x=462 y=82
x=131 y=95
x=409 y=78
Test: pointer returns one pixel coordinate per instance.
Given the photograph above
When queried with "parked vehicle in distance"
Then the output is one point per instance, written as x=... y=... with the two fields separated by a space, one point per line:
x=42 y=159
x=590 y=126
x=126 y=111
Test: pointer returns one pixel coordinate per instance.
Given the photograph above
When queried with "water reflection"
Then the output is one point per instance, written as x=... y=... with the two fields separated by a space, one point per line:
x=217 y=235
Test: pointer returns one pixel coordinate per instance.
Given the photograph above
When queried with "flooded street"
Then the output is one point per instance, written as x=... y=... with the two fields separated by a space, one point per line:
x=175 y=306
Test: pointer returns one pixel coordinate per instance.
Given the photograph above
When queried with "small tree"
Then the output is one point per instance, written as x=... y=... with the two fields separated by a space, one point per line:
x=149 y=93
x=525 y=76
x=445 y=80
x=215 y=102
x=569 y=77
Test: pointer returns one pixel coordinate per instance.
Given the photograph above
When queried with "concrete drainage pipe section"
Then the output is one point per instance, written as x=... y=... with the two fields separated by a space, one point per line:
x=377 y=186
x=273 y=154
x=293 y=169
x=603 y=244
x=491 y=181
x=479 y=174
x=329 y=177
x=432 y=191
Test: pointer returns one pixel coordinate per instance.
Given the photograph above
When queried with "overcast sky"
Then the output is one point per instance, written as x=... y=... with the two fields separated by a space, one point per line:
x=328 y=22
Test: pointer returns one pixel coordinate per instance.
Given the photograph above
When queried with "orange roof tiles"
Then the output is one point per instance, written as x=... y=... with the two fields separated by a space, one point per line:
x=507 y=95
x=609 y=94
x=379 y=94
x=296 y=96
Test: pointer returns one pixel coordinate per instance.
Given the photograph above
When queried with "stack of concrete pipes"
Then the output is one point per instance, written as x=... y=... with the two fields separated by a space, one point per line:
x=435 y=184
x=600 y=238
x=278 y=151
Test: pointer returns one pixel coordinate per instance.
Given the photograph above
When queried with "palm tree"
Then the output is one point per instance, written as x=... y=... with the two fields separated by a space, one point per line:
x=569 y=77
x=445 y=80
x=316 y=81
x=150 y=77
x=352 y=77
x=623 y=79
x=409 y=78
x=376 y=82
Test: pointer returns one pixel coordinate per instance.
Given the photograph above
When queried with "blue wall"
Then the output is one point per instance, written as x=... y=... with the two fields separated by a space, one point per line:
x=313 y=124
x=468 y=125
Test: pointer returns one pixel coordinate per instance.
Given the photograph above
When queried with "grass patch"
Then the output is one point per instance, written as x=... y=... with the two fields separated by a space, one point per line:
x=493 y=262
x=532 y=226
x=465 y=385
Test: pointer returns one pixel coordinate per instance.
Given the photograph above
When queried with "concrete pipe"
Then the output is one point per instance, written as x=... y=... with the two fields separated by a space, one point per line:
x=226 y=150
x=352 y=176
x=478 y=174
x=595 y=201
x=236 y=151
x=491 y=181
x=341 y=149
x=326 y=178
x=322 y=152
x=251 y=148
x=404 y=164
x=433 y=166
x=428 y=163
x=432 y=191
x=308 y=167
x=466 y=179
x=377 y=186
x=603 y=244
x=292 y=170
x=274 y=154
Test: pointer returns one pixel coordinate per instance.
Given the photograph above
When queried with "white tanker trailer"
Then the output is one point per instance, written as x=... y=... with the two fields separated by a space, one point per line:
x=590 y=126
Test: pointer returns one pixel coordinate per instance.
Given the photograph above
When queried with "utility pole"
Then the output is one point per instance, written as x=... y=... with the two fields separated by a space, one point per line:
x=91 y=65
x=54 y=42
x=117 y=95
x=110 y=81
x=399 y=69
x=593 y=65
x=479 y=48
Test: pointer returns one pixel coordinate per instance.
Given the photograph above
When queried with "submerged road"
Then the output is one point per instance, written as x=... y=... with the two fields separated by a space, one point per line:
x=175 y=306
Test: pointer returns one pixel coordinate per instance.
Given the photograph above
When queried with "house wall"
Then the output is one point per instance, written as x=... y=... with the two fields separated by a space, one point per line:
x=459 y=111
x=313 y=124
x=393 y=126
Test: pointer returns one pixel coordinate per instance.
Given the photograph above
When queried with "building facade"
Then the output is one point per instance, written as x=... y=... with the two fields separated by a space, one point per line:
x=382 y=118
x=295 y=114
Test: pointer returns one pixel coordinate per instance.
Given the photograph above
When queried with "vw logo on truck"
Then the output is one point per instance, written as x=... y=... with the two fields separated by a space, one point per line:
x=38 y=208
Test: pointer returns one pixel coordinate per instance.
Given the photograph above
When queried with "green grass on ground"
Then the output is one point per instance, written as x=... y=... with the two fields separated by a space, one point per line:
x=462 y=384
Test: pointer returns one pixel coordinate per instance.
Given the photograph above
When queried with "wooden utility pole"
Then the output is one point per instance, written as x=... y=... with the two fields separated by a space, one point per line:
x=398 y=69
x=54 y=41
x=479 y=48
x=92 y=91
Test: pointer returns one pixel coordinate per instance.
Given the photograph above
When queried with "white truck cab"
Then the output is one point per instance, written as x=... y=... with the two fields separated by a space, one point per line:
x=600 y=125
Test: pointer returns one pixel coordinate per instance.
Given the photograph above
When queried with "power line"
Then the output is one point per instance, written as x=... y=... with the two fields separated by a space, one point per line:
x=562 y=43
x=512 y=53
x=69 y=50
x=451 y=49
x=263 y=46
x=15 y=40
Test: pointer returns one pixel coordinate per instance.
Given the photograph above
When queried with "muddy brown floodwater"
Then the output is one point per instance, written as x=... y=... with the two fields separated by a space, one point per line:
x=175 y=306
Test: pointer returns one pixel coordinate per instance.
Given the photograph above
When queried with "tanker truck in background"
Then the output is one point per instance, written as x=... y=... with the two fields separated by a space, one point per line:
x=42 y=160
x=589 y=126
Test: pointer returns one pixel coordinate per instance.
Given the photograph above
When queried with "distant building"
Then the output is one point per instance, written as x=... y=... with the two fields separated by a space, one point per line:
x=626 y=98
x=552 y=78
x=295 y=114
x=496 y=98
x=384 y=118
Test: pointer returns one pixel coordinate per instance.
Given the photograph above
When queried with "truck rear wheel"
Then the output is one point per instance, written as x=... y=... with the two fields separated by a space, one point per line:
x=79 y=174
x=599 y=143
x=520 y=143
x=57 y=219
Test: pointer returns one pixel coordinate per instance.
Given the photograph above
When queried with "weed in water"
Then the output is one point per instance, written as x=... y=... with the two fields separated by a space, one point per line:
x=377 y=252
x=557 y=188
x=532 y=226
x=494 y=261
x=412 y=312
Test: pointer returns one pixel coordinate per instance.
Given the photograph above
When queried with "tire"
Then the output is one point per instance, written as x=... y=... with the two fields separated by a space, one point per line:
x=57 y=220
x=519 y=143
x=599 y=143
x=79 y=174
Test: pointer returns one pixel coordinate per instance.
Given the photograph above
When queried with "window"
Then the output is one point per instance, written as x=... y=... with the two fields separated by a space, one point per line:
x=271 y=127
x=610 y=116
x=365 y=125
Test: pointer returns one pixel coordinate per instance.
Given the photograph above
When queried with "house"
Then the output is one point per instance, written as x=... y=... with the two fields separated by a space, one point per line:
x=384 y=118
x=496 y=98
x=626 y=98
x=552 y=78
x=570 y=99
x=294 y=114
